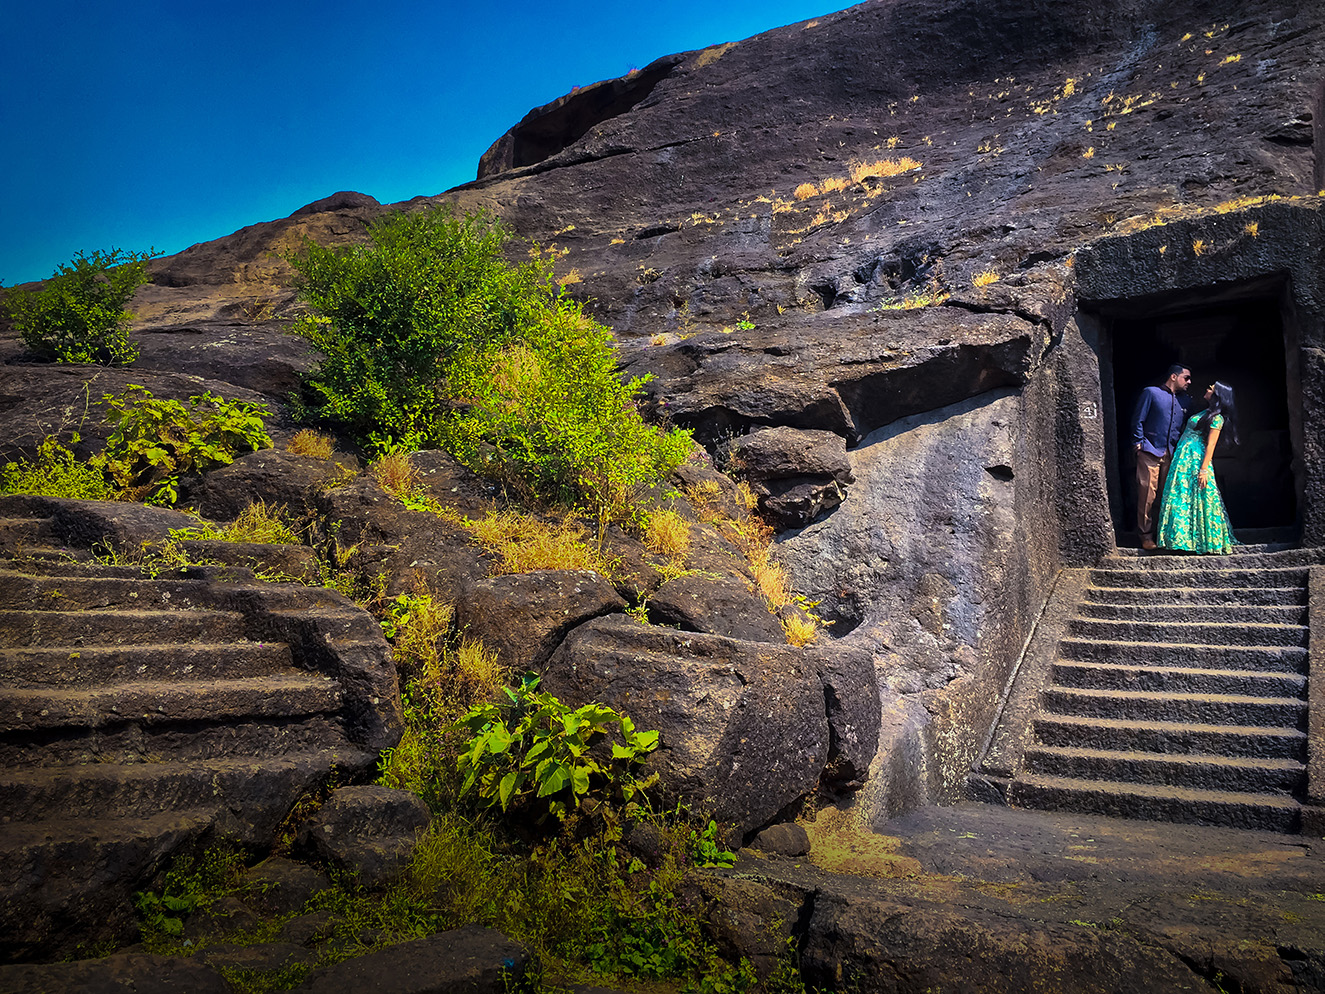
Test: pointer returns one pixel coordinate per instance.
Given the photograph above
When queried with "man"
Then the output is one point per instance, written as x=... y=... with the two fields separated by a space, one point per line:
x=1160 y=415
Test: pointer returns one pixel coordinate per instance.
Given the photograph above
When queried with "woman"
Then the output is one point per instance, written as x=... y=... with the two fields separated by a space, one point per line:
x=1193 y=518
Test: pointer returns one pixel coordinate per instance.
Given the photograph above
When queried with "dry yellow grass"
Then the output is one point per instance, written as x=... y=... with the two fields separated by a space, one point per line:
x=667 y=534
x=308 y=442
x=805 y=191
x=1252 y=228
x=799 y=629
x=882 y=168
x=523 y=543
x=781 y=206
x=985 y=278
x=1089 y=153
x=658 y=340
x=1199 y=246
x=394 y=474
x=834 y=184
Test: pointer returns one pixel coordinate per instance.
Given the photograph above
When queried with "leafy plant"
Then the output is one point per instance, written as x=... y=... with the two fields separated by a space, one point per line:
x=192 y=883
x=154 y=441
x=705 y=849
x=532 y=751
x=79 y=314
x=56 y=472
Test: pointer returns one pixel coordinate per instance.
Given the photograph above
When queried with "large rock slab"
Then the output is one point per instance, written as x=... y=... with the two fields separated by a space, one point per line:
x=469 y=960
x=369 y=832
x=524 y=617
x=797 y=474
x=123 y=973
x=743 y=727
x=715 y=605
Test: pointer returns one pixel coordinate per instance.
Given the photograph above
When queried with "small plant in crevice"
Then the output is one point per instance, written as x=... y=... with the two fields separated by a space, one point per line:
x=314 y=445
x=255 y=523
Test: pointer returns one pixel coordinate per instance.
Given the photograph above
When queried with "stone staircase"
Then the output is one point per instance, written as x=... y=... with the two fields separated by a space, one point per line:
x=1165 y=687
x=142 y=715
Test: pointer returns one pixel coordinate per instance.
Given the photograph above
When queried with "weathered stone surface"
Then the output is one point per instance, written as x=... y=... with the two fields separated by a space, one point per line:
x=524 y=617
x=469 y=959
x=714 y=605
x=85 y=523
x=280 y=479
x=279 y=886
x=380 y=535
x=797 y=474
x=260 y=956
x=370 y=832
x=746 y=918
x=788 y=839
x=881 y=945
x=743 y=728
x=851 y=692
x=125 y=973
x=275 y=561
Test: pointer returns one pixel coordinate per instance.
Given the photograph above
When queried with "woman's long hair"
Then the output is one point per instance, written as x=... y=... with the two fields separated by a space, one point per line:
x=1222 y=403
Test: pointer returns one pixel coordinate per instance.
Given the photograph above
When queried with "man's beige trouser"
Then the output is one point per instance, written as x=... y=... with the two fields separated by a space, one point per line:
x=1150 y=474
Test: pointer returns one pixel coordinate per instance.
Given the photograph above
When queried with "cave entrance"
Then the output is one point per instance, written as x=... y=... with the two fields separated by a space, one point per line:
x=1237 y=335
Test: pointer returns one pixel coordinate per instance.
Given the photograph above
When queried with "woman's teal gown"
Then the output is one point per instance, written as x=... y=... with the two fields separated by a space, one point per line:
x=1192 y=518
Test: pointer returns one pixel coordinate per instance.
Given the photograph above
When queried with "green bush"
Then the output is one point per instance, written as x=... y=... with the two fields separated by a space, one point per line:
x=56 y=472
x=429 y=337
x=157 y=441
x=79 y=314
x=391 y=318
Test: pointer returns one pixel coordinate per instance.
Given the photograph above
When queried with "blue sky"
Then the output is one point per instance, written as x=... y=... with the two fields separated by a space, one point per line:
x=163 y=124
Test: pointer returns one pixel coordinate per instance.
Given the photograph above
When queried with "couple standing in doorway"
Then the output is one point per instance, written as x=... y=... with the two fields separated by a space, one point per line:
x=1173 y=457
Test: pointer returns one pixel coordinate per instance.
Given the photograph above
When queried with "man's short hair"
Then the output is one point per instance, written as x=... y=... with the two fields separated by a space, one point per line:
x=1174 y=370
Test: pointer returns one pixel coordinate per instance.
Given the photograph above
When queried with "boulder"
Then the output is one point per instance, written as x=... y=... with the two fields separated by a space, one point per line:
x=123 y=973
x=87 y=523
x=469 y=960
x=280 y=479
x=745 y=918
x=279 y=886
x=783 y=840
x=524 y=617
x=275 y=561
x=743 y=727
x=369 y=832
x=714 y=605
x=377 y=536
x=851 y=692
x=798 y=474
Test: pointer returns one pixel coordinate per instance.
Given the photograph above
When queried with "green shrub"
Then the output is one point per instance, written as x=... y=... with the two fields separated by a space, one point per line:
x=56 y=472
x=79 y=314
x=532 y=752
x=429 y=337
x=391 y=318
x=157 y=441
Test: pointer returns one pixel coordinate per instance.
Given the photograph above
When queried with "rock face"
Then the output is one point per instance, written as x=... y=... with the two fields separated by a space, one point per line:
x=369 y=832
x=797 y=474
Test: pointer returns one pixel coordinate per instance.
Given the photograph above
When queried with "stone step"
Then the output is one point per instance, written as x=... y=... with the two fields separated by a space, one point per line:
x=1177 y=679
x=87 y=665
x=155 y=702
x=17 y=534
x=1225 y=577
x=71 y=593
x=68 y=567
x=1179 y=613
x=1237 y=596
x=1213 y=709
x=1242 y=557
x=123 y=790
x=1190 y=633
x=1172 y=738
x=1263 y=658
x=1242 y=549
x=1152 y=802
x=112 y=627
x=1240 y=774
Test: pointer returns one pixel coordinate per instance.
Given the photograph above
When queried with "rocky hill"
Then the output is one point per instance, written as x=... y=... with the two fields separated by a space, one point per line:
x=876 y=261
